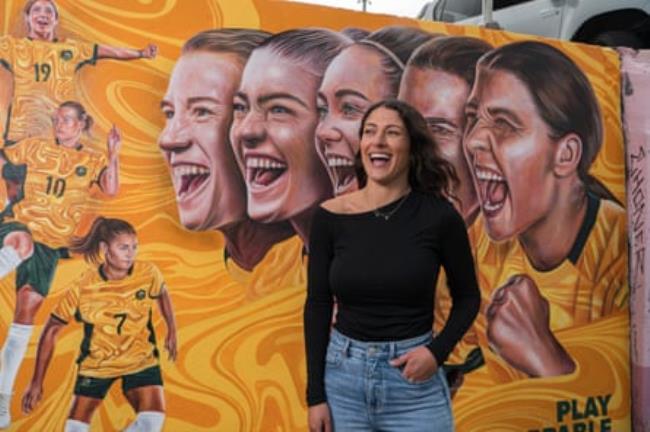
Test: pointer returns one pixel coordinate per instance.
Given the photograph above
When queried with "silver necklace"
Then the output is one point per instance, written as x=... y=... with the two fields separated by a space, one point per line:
x=387 y=215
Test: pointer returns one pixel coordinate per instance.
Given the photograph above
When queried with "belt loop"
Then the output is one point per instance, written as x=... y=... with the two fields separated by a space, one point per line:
x=392 y=350
x=346 y=347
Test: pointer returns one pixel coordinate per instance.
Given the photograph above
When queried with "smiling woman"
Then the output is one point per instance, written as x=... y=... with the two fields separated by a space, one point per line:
x=398 y=227
x=363 y=73
x=274 y=122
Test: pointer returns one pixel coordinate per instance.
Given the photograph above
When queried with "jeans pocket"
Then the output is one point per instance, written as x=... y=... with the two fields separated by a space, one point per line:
x=334 y=357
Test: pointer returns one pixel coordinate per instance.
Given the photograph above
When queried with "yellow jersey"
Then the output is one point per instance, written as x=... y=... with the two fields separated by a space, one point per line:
x=44 y=77
x=590 y=284
x=56 y=188
x=119 y=337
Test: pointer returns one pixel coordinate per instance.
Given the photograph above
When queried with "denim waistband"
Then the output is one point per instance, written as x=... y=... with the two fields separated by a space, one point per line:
x=389 y=349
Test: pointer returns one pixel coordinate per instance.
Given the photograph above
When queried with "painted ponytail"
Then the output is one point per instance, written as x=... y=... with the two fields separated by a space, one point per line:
x=103 y=230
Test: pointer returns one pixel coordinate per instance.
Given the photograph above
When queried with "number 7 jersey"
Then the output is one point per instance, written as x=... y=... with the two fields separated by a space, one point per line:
x=118 y=333
x=44 y=77
x=49 y=187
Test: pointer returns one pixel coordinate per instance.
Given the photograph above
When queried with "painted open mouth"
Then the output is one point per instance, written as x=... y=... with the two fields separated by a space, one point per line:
x=341 y=171
x=188 y=178
x=263 y=171
x=42 y=21
x=493 y=190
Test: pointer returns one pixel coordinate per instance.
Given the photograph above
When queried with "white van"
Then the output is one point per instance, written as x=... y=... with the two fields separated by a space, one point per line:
x=602 y=22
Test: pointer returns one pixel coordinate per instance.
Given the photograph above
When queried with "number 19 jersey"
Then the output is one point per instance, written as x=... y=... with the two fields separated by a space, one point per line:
x=44 y=77
x=118 y=334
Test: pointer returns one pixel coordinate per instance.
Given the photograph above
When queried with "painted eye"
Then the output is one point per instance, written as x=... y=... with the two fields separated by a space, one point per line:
x=239 y=108
x=349 y=110
x=322 y=111
x=202 y=112
x=279 y=109
x=169 y=114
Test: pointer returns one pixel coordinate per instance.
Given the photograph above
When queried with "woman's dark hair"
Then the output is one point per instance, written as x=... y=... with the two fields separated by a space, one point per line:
x=395 y=44
x=103 y=230
x=355 y=33
x=428 y=171
x=562 y=95
x=81 y=114
x=456 y=55
x=311 y=48
x=240 y=42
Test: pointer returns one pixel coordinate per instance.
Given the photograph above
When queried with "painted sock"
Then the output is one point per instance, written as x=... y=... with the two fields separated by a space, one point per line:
x=12 y=355
x=9 y=260
x=76 y=426
x=147 y=421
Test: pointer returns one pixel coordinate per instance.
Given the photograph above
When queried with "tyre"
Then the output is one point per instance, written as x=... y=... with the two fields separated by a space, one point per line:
x=616 y=38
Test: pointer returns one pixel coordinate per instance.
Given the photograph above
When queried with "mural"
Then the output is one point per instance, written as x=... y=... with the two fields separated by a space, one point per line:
x=217 y=143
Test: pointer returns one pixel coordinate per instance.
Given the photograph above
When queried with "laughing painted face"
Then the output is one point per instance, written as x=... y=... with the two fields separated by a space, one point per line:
x=272 y=135
x=198 y=108
x=42 y=19
x=440 y=97
x=385 y=147
x=510 y=153
x=352 y=82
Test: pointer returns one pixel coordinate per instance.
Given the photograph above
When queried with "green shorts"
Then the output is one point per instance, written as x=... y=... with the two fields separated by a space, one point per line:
x=97 y=388
x=38 y=270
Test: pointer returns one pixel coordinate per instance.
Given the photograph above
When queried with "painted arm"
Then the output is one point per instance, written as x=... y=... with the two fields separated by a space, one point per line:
x=109 y=179
x=167 y=311
x=46 y=343
x=119 y=53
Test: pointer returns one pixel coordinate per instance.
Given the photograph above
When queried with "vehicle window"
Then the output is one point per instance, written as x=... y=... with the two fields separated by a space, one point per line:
x=455 y=10
x=500 y=4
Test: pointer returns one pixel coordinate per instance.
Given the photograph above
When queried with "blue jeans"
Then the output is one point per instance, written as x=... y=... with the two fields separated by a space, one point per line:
x=365 y=393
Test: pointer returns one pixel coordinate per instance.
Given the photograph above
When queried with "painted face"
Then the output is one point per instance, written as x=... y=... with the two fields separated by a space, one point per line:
x=510 y=154
x=120 y=252
x=198 y=107
x=272 y=135
x=385 y=147
x=67 y=125
x=42 y=19
x=440 y=97
x=352 y=82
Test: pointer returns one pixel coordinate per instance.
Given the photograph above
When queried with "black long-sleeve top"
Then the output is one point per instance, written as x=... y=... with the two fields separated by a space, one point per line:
x=383 y=274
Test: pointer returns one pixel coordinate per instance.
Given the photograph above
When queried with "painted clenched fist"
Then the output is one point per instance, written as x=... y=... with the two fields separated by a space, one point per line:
x=519 y=330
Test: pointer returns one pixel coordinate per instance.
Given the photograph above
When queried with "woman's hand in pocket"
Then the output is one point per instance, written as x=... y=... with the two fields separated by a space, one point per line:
x=417 y=365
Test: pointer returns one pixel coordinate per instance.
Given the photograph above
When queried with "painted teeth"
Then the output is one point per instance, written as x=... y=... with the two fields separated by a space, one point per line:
x=488 y=175
x=492 y=207
x=256 y=162
x=339 y=162
x=190 y=170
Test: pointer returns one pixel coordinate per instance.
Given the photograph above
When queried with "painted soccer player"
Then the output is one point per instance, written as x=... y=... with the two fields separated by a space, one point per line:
x=554 y=256
x=44 y=69
x=274 y=121
x=49 y=184
x=210 y=190
x=114 y=301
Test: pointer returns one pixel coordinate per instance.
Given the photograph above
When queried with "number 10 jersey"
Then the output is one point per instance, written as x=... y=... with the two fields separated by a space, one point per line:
x=49 y=187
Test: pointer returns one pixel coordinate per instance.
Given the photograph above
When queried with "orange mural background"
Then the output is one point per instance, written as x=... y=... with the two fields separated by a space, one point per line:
x=241 y=362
